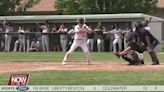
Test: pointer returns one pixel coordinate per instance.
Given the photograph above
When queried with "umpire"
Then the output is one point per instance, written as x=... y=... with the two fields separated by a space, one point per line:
x=149 y=41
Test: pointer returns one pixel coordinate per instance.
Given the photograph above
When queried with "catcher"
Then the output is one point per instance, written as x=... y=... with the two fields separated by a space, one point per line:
x=133 y=53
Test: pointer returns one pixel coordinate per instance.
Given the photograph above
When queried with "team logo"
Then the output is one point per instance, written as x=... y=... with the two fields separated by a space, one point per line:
x=19 y=79
x=22 y=88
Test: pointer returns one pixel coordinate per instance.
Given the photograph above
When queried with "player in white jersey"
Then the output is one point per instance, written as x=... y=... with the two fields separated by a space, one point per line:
x=117 y=32
x=80 y=40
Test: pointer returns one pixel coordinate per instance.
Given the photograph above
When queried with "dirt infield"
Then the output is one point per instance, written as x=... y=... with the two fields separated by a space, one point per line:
x=41 y=66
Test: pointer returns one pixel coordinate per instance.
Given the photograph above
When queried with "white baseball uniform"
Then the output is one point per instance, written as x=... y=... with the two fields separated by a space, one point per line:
x=80 y=38
x=118 y=39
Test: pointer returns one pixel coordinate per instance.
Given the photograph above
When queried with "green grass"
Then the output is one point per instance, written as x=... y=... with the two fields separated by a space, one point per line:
x=92 y=78
x=58 y=56
x=162 y=47
x=152 y=77
x=51 y=56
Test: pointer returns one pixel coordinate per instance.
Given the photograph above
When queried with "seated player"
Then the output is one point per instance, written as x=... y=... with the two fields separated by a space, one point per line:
x=34 y=45
x=133 y=53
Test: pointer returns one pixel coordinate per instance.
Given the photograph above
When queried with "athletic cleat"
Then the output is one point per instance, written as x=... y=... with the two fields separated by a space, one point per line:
x=155 y=63
x=139 y=64
x=130 y=64
x=63 y=63
x=143 y=62
x=89 y=63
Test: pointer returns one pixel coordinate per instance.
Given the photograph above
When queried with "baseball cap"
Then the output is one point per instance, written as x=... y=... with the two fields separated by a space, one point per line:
x=81 y=20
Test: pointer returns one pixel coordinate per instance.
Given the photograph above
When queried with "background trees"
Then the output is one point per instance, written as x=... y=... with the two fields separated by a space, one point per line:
x=104 y=6
x=18 y=7
x=15 y=7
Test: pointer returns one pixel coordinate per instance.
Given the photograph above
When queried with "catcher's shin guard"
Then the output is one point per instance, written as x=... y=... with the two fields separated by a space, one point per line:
x=131 y=62
x=135 y=57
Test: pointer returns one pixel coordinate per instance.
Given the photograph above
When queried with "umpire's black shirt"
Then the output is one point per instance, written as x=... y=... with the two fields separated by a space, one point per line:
x=142 y=33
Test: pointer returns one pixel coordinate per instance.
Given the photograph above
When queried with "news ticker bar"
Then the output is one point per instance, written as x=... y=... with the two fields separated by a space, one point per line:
x=81 y=88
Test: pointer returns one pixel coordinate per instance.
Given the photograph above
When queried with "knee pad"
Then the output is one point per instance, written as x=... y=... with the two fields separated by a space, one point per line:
x=140 y=56
x=132 y=55
x=127 y=59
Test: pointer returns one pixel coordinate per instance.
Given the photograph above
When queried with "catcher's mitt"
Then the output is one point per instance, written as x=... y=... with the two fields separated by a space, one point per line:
x=116 y=54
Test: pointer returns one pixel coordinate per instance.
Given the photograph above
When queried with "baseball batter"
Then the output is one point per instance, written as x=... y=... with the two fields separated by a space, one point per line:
x=80 y=40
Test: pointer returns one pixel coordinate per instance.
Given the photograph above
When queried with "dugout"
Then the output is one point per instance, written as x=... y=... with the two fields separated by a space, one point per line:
x=157 y=24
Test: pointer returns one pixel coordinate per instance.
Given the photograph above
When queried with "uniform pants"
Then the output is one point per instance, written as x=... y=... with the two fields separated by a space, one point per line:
x=79 y=43
x=8 y=39
x=45 y=43
x=22 y=45
x=111 y=44
x=16 y=45
x=153 y=54
x=119 y=41
x=64 y=45
x=90 y=43
x=125 y=43
x=100 y=45
x=27 y=44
